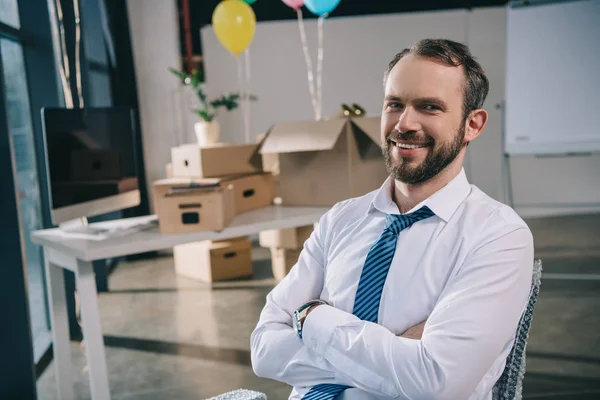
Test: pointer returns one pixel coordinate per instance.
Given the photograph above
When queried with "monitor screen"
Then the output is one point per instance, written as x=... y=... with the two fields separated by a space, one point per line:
x=90 y=154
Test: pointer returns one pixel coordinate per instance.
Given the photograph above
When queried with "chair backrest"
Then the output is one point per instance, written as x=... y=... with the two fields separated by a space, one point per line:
x=510 y=384
x=241 y=394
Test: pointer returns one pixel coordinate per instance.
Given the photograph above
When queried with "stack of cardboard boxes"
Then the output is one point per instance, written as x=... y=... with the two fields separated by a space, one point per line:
x=313 y=163
x=208 y=187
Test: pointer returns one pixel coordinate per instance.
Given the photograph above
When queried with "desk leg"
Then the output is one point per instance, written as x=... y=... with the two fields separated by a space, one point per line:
x=92 y=331
x=60 y=328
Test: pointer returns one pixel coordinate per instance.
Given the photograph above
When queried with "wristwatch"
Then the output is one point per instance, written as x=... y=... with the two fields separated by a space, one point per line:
x=300 y=315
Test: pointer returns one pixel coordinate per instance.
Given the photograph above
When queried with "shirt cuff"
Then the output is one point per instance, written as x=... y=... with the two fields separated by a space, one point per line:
x=320 y=324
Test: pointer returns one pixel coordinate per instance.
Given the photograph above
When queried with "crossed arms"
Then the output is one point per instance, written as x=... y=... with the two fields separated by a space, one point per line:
x=473 y=321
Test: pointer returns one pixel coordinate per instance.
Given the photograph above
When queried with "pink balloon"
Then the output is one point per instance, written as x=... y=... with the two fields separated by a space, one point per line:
x=295 y=4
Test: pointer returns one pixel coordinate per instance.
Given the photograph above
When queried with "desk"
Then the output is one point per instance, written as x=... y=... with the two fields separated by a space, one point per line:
x=77 y=255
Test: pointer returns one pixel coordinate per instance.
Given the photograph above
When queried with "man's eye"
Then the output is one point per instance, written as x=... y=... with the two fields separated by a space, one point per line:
x=431 y=107
x=394 y=105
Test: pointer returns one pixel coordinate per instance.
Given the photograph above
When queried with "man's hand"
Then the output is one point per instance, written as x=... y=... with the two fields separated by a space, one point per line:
x=308 y=311
x=415 y=332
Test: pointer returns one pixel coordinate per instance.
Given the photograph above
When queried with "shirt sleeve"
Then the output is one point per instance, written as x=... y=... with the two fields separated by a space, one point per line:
x=276 y=351
x=475 y=319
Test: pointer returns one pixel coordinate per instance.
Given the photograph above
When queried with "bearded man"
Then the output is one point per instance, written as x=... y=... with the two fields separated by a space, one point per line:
x=415 y=290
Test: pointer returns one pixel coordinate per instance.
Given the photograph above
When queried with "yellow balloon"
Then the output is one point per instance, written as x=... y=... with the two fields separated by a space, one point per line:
x=234 y=22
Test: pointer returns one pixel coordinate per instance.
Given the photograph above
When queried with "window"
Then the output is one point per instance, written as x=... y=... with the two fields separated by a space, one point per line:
x=9 y=13
x=19 y=117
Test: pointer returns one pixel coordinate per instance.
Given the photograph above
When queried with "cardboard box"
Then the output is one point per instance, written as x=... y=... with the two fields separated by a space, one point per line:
x=324 y=162
x=291 y=239
x=270 y=162
x=186 y=205
x=214 y=261
x=95 y=164
x=282 y=261
x=251 y=191
x=217 y=160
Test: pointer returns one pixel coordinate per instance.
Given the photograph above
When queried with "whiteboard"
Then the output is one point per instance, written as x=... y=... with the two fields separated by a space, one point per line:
x=553 y=79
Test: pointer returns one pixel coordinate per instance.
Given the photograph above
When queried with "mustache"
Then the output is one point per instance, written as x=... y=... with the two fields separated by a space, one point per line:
x=410 y=136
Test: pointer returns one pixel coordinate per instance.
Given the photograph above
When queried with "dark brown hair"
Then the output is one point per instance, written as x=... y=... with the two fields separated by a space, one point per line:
x=452 y=54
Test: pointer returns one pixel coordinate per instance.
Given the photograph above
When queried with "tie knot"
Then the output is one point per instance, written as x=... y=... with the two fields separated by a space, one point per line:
x=398 y=222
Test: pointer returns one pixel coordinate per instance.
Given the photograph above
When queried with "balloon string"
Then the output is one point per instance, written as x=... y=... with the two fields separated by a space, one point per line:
x=309 y=71
x=65 y=73
x=248 y=94
x=78 y=53
x=242 y=95
x=320 y=67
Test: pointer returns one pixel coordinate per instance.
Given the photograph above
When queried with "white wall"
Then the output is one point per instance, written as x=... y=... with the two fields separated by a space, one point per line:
x=155 y=40
x=357 y=51
x=486 y=32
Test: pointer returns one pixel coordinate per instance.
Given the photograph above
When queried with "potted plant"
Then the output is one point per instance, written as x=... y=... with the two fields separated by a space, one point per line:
x=207 y=129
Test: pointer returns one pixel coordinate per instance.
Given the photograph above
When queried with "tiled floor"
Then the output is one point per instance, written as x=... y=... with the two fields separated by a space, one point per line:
x=169 y=337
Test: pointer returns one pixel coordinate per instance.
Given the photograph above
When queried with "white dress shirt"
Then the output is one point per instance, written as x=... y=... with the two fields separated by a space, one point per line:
x=467 y=270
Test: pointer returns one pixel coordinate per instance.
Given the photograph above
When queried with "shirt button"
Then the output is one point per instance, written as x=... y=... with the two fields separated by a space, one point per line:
x=313 y=343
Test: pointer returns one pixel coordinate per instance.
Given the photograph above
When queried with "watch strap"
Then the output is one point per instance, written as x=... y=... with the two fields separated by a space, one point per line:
x=309 y=304
x=300 y=315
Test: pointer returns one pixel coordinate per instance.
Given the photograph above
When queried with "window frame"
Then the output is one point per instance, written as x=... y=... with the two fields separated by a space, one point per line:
x=34 y=37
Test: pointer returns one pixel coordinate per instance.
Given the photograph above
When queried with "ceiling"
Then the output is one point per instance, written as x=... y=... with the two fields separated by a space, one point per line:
x=271 y=10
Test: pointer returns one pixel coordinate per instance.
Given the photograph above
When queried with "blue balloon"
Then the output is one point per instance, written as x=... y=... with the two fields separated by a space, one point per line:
x=320 y=7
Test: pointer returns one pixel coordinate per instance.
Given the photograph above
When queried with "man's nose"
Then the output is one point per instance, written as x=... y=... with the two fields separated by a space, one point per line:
x=407 y=121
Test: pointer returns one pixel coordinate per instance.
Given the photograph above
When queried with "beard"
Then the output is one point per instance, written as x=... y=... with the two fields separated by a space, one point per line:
x=437 y=159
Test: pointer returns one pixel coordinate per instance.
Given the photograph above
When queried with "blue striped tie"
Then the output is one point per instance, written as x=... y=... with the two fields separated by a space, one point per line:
x=370 y=286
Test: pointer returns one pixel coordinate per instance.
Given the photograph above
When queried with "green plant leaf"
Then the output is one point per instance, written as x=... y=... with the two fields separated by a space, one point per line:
x=195 y=79
x=201 y=95
x=205 y=114
x=181 y=75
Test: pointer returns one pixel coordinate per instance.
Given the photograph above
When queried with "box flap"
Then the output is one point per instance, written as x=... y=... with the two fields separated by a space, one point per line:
x=230 y=178
x=183 y=181
x=371 y=126
x=192 y=182
x=221 y=145
x=235 y=244
x=290 y=137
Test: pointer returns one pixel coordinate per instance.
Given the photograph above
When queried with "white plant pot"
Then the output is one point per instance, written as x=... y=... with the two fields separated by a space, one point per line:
x=207 y=133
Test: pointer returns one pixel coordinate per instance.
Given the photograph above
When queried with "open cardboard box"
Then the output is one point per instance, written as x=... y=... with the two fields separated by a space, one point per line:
x=186 y=205
x=324 y=162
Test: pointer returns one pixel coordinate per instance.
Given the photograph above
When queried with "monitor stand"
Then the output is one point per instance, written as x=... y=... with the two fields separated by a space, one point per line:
x=79 y=228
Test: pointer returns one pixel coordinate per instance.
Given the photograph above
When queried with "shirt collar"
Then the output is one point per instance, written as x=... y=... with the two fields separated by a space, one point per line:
x=443 y=203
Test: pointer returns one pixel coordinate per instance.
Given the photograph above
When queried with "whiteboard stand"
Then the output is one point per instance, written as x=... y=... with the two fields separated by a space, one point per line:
x=505 y=176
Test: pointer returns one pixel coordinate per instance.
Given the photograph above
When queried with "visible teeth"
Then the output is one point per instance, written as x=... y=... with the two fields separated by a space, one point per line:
x=409 y=146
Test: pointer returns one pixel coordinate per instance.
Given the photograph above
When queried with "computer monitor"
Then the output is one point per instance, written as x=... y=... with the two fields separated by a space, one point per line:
x=91 y=161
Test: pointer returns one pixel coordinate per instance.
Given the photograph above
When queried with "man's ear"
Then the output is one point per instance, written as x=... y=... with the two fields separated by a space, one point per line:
x=475 y=123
